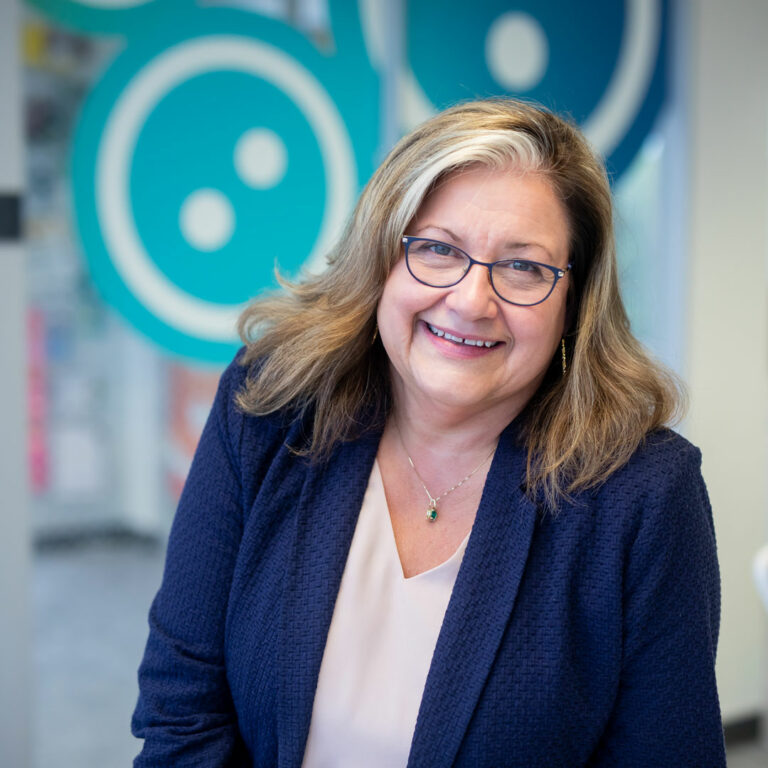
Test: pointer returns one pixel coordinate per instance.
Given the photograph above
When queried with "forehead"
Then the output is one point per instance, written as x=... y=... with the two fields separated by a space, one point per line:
x=485 y=204
x=496 y=187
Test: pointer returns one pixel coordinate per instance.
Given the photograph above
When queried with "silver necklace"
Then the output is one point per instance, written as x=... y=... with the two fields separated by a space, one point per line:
x=432 y=500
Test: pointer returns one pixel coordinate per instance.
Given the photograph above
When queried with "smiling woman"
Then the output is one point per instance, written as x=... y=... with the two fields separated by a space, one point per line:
x=436 y=517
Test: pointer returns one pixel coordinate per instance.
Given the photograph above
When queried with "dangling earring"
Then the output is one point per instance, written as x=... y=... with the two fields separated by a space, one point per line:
x=375 y=334
x=562 y=353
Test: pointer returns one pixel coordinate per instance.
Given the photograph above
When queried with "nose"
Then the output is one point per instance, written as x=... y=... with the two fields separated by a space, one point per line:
x=474 y=298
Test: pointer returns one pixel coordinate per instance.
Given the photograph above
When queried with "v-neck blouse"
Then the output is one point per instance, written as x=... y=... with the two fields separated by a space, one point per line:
x=379 y=647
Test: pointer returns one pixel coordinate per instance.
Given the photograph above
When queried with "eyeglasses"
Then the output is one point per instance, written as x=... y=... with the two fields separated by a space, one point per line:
x=516 y=281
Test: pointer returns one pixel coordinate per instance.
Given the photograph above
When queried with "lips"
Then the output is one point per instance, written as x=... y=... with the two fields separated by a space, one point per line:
x=467 y=342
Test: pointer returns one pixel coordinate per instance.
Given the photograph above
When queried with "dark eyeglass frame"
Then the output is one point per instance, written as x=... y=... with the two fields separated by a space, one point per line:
x=558 y=273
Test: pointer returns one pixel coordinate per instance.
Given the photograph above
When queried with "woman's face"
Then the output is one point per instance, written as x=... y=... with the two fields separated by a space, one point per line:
x=491 y=215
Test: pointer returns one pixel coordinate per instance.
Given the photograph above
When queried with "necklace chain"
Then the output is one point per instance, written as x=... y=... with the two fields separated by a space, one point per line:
x=432 y=508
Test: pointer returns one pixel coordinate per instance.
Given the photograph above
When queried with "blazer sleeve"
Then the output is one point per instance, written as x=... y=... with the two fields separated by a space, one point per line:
x=185 y=712
x=667 y=710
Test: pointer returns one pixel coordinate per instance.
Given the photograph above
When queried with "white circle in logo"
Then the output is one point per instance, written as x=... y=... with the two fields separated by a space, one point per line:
x=516 y=51
x=260 y=158
x=207 y=220
x=167 y=301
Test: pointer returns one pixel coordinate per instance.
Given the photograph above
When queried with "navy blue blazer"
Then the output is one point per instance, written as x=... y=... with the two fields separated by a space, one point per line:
x=582 y=638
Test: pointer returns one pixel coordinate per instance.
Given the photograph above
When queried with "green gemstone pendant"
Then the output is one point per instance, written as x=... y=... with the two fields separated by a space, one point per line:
x=432 y=514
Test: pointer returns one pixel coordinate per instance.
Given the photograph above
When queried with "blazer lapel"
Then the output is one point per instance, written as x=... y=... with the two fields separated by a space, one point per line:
x=325 y=522
x=479 y=609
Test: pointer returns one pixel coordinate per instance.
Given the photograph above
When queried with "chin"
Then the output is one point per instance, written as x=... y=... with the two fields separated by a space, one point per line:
x=459 y=396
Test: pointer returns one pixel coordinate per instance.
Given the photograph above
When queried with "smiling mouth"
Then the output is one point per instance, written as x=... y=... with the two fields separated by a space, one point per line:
x=458 y=340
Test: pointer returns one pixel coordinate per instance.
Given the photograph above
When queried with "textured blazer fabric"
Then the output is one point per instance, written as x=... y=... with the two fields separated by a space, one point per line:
x=582 y=638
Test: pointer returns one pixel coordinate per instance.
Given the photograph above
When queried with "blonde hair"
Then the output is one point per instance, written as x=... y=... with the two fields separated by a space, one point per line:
x=312 y=341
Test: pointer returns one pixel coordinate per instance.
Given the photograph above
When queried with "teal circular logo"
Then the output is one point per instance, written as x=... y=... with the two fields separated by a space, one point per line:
x=201 y=163
x=603 y=63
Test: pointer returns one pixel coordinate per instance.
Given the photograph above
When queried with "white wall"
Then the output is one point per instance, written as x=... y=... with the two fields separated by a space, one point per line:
x=728 y=318
x=15 y=678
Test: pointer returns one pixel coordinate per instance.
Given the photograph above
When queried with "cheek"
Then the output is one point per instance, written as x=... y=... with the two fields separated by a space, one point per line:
x=555 y=314
x=539 y=329
x=558 y=321
x=394 y=315
x=402 y=299
x=389 y=305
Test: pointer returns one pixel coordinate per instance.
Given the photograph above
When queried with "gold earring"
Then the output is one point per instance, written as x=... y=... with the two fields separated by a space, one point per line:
x=375 y=334
x=562 y=353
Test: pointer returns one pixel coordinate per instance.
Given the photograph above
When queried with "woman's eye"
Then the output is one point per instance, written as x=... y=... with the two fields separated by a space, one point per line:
x=434 y=248
x=521 y=273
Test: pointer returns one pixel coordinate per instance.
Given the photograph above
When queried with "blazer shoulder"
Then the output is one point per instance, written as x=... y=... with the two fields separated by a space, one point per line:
x=660 y=492
x=664 y=473
x=253 y=442
x=663 y=456
x=234 y=380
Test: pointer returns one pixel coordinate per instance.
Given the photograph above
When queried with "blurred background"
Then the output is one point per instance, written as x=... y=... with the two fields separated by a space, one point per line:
x=158 y=158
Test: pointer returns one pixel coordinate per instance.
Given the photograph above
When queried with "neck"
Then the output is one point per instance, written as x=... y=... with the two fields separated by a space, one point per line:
x=439 y=437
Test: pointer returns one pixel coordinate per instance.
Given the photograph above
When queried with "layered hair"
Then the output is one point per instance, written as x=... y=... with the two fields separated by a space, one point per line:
x=313 y=339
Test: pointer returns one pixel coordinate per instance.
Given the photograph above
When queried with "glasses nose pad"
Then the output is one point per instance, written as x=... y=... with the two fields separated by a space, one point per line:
x=481 y=267
x=475 y=290
x=486 y=270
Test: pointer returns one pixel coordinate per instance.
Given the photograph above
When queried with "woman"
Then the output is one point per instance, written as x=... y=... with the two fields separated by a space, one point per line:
x=435 y=518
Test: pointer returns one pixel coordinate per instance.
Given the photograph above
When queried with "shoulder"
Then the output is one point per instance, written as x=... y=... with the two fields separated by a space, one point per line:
x=234 y=380
x=658 y=500
x=663 y=446
x=251 y=440
x=663 y=506
x=664 y=464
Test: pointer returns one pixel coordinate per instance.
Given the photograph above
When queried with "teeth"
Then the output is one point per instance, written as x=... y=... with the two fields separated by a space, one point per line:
x=459 y=340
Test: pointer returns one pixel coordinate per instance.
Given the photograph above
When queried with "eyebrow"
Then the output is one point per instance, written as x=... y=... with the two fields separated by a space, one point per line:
x=511 y=246
x=447 y=231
